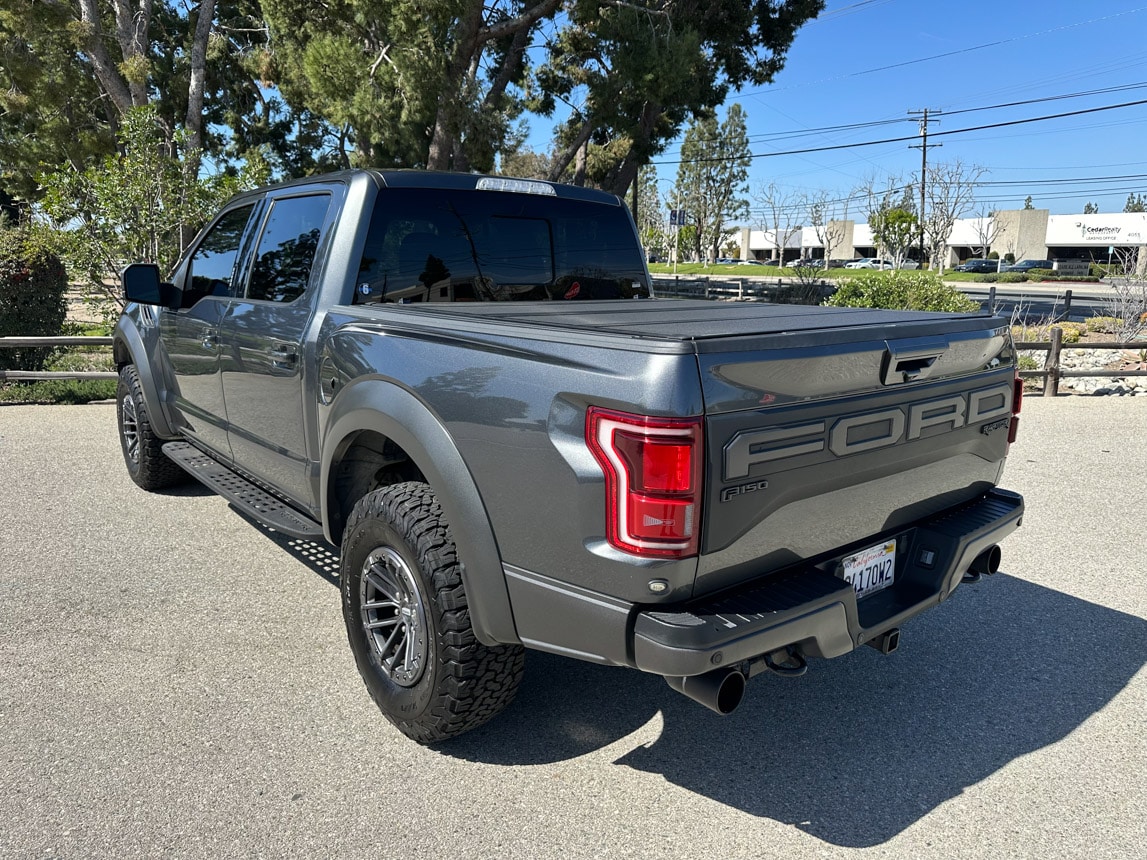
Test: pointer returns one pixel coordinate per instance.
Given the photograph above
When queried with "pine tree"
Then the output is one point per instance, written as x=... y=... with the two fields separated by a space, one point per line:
x=712 y=179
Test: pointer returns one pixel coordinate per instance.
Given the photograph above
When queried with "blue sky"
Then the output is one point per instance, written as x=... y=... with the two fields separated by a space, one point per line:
x=1044 y=49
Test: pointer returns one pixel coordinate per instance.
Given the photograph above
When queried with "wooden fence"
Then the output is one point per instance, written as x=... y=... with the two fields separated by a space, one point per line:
x=13 y=342
x=1052 y=372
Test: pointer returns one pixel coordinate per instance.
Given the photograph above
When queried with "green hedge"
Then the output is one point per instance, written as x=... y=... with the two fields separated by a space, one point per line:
x=32 y=303
x=899 y=289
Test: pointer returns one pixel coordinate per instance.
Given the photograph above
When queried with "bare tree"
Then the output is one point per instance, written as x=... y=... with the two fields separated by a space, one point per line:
x=826 y=217
x=778 y=214
x=880 y=196
x=1128 y=304
x=950 y=193
x=986 y=230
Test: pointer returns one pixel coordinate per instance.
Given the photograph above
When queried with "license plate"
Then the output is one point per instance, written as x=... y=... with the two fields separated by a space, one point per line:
x=872 y=570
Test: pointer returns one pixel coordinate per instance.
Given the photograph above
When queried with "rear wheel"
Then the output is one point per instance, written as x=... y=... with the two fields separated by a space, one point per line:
x=143 y=453
x=408 y=620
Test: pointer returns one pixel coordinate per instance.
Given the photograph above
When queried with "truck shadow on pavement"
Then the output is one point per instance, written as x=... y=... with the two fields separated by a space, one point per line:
x=861 y=747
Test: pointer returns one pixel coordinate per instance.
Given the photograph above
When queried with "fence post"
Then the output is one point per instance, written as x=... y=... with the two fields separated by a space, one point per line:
x=1067 y=305
x=992 y=298
x=740 y=289
x=706 y=286
x=1051 y=380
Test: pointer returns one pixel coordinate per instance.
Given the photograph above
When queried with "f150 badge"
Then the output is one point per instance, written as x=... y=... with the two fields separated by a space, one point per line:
x=855 y=434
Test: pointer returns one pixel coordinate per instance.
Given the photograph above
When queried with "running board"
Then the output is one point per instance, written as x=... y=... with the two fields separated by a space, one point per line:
x=256 y=503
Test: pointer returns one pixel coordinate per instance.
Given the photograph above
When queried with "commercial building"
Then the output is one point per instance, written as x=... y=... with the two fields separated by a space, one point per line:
x=1023 y=233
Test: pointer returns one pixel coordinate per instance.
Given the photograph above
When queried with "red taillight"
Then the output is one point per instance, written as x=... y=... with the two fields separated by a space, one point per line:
x=1017 y=405
x=652 y=472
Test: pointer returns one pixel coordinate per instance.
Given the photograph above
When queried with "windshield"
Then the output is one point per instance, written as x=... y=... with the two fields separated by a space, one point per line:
x=442 y=245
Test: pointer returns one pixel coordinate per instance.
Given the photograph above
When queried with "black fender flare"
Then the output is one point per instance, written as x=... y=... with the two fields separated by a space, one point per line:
x=386 y=408
x=128 y=348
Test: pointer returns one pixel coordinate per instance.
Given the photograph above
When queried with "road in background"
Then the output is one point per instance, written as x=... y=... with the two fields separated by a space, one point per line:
x=175 y=680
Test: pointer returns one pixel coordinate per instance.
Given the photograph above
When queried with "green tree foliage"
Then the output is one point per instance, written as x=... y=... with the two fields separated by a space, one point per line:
x=32 y=287
x=894 y=229
x=1136 y=203
x=71 y=70
x=409 y=84
x=142 y=206
x=50 y=106
x=442 y=83
x=899 y=289
x=712 y=178
x=634 y=72
x=1028 y=202
x=1090 y=208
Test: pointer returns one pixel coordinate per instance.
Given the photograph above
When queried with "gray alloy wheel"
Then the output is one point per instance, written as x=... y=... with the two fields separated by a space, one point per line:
x=393 y=616
x=142 y=449
x=408 y=619
x=129 y=428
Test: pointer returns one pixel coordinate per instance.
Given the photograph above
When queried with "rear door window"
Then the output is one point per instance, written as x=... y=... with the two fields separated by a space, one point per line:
x=287 y=247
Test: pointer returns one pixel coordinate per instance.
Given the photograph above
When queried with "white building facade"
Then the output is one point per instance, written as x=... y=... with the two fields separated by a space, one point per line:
x=1026 y=234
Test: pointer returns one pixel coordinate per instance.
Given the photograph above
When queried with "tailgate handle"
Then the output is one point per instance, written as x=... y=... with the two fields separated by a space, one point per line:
x=911 y=359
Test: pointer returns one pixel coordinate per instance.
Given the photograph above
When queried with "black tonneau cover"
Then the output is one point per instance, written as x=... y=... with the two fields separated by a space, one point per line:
x=700 y=320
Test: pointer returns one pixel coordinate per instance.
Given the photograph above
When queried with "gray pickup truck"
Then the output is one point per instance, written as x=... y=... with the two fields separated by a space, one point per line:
x=461 y=381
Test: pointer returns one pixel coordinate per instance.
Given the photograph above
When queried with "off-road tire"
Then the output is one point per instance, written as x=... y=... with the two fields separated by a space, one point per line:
x=447 y=681
x=142 y=450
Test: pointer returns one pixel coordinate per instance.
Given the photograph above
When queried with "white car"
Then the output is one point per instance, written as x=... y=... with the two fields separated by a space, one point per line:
x=877 y=263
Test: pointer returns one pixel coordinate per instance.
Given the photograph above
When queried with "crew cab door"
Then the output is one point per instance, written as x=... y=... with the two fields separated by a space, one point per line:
x=190 y=335
x=262 y=336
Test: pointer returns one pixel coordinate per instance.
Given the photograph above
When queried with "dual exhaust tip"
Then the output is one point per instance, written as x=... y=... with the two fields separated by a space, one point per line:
x=722 y=690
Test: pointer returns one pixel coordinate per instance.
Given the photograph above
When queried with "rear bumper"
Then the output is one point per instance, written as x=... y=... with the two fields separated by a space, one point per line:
x=814 y=610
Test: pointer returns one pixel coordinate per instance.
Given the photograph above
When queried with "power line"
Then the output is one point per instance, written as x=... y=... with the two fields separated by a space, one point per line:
x=840 y=146
x=765 y=137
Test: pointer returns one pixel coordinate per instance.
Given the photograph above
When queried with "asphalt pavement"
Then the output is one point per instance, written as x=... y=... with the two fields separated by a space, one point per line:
x=175 y=681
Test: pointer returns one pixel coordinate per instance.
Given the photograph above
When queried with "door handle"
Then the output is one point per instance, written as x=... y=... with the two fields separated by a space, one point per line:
x=284 y=356
x=210 y=342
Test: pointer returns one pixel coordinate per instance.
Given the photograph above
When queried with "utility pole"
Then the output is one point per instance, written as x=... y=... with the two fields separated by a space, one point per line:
x=923 y=147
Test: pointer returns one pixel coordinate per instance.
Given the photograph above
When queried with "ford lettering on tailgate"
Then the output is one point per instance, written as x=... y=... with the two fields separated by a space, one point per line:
x=868 y=431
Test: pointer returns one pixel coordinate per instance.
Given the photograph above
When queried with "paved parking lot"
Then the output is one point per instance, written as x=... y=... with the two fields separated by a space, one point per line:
x=175 y=681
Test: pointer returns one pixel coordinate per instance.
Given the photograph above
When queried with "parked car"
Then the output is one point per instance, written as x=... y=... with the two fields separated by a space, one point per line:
x=805 y=263
x=773 y=262
x=1028 y=265
x=756 y=263
x=979 y=265
x=726 y=261
x=838 y=264
x=878 y=263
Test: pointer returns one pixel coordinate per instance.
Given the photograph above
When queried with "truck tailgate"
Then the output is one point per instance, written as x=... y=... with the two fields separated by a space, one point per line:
x=821 y=437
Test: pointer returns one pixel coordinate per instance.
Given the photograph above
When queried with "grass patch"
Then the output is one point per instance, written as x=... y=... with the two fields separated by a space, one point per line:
x=65 y=391
x=69 y=360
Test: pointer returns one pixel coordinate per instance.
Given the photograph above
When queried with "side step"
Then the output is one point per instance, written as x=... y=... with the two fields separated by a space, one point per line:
x=258 y=504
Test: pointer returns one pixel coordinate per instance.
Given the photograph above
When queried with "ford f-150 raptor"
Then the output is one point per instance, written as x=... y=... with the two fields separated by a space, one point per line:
x=463 y=383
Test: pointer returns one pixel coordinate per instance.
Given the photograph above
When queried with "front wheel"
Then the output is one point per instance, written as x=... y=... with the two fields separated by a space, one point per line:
x=408 y=620
x=142 y=450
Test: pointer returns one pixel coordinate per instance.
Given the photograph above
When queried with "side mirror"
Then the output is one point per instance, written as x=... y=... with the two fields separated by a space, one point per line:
x=141 y=284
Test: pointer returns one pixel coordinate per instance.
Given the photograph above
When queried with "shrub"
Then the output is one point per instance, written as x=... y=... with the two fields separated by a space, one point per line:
x=1027 y=362
x=903 y=290
x=987 y=279
x=1106 y=325
x=995 y=255
x=1012 y=277
x=32 y=303
x=1041 y=275
x=1072 y=332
